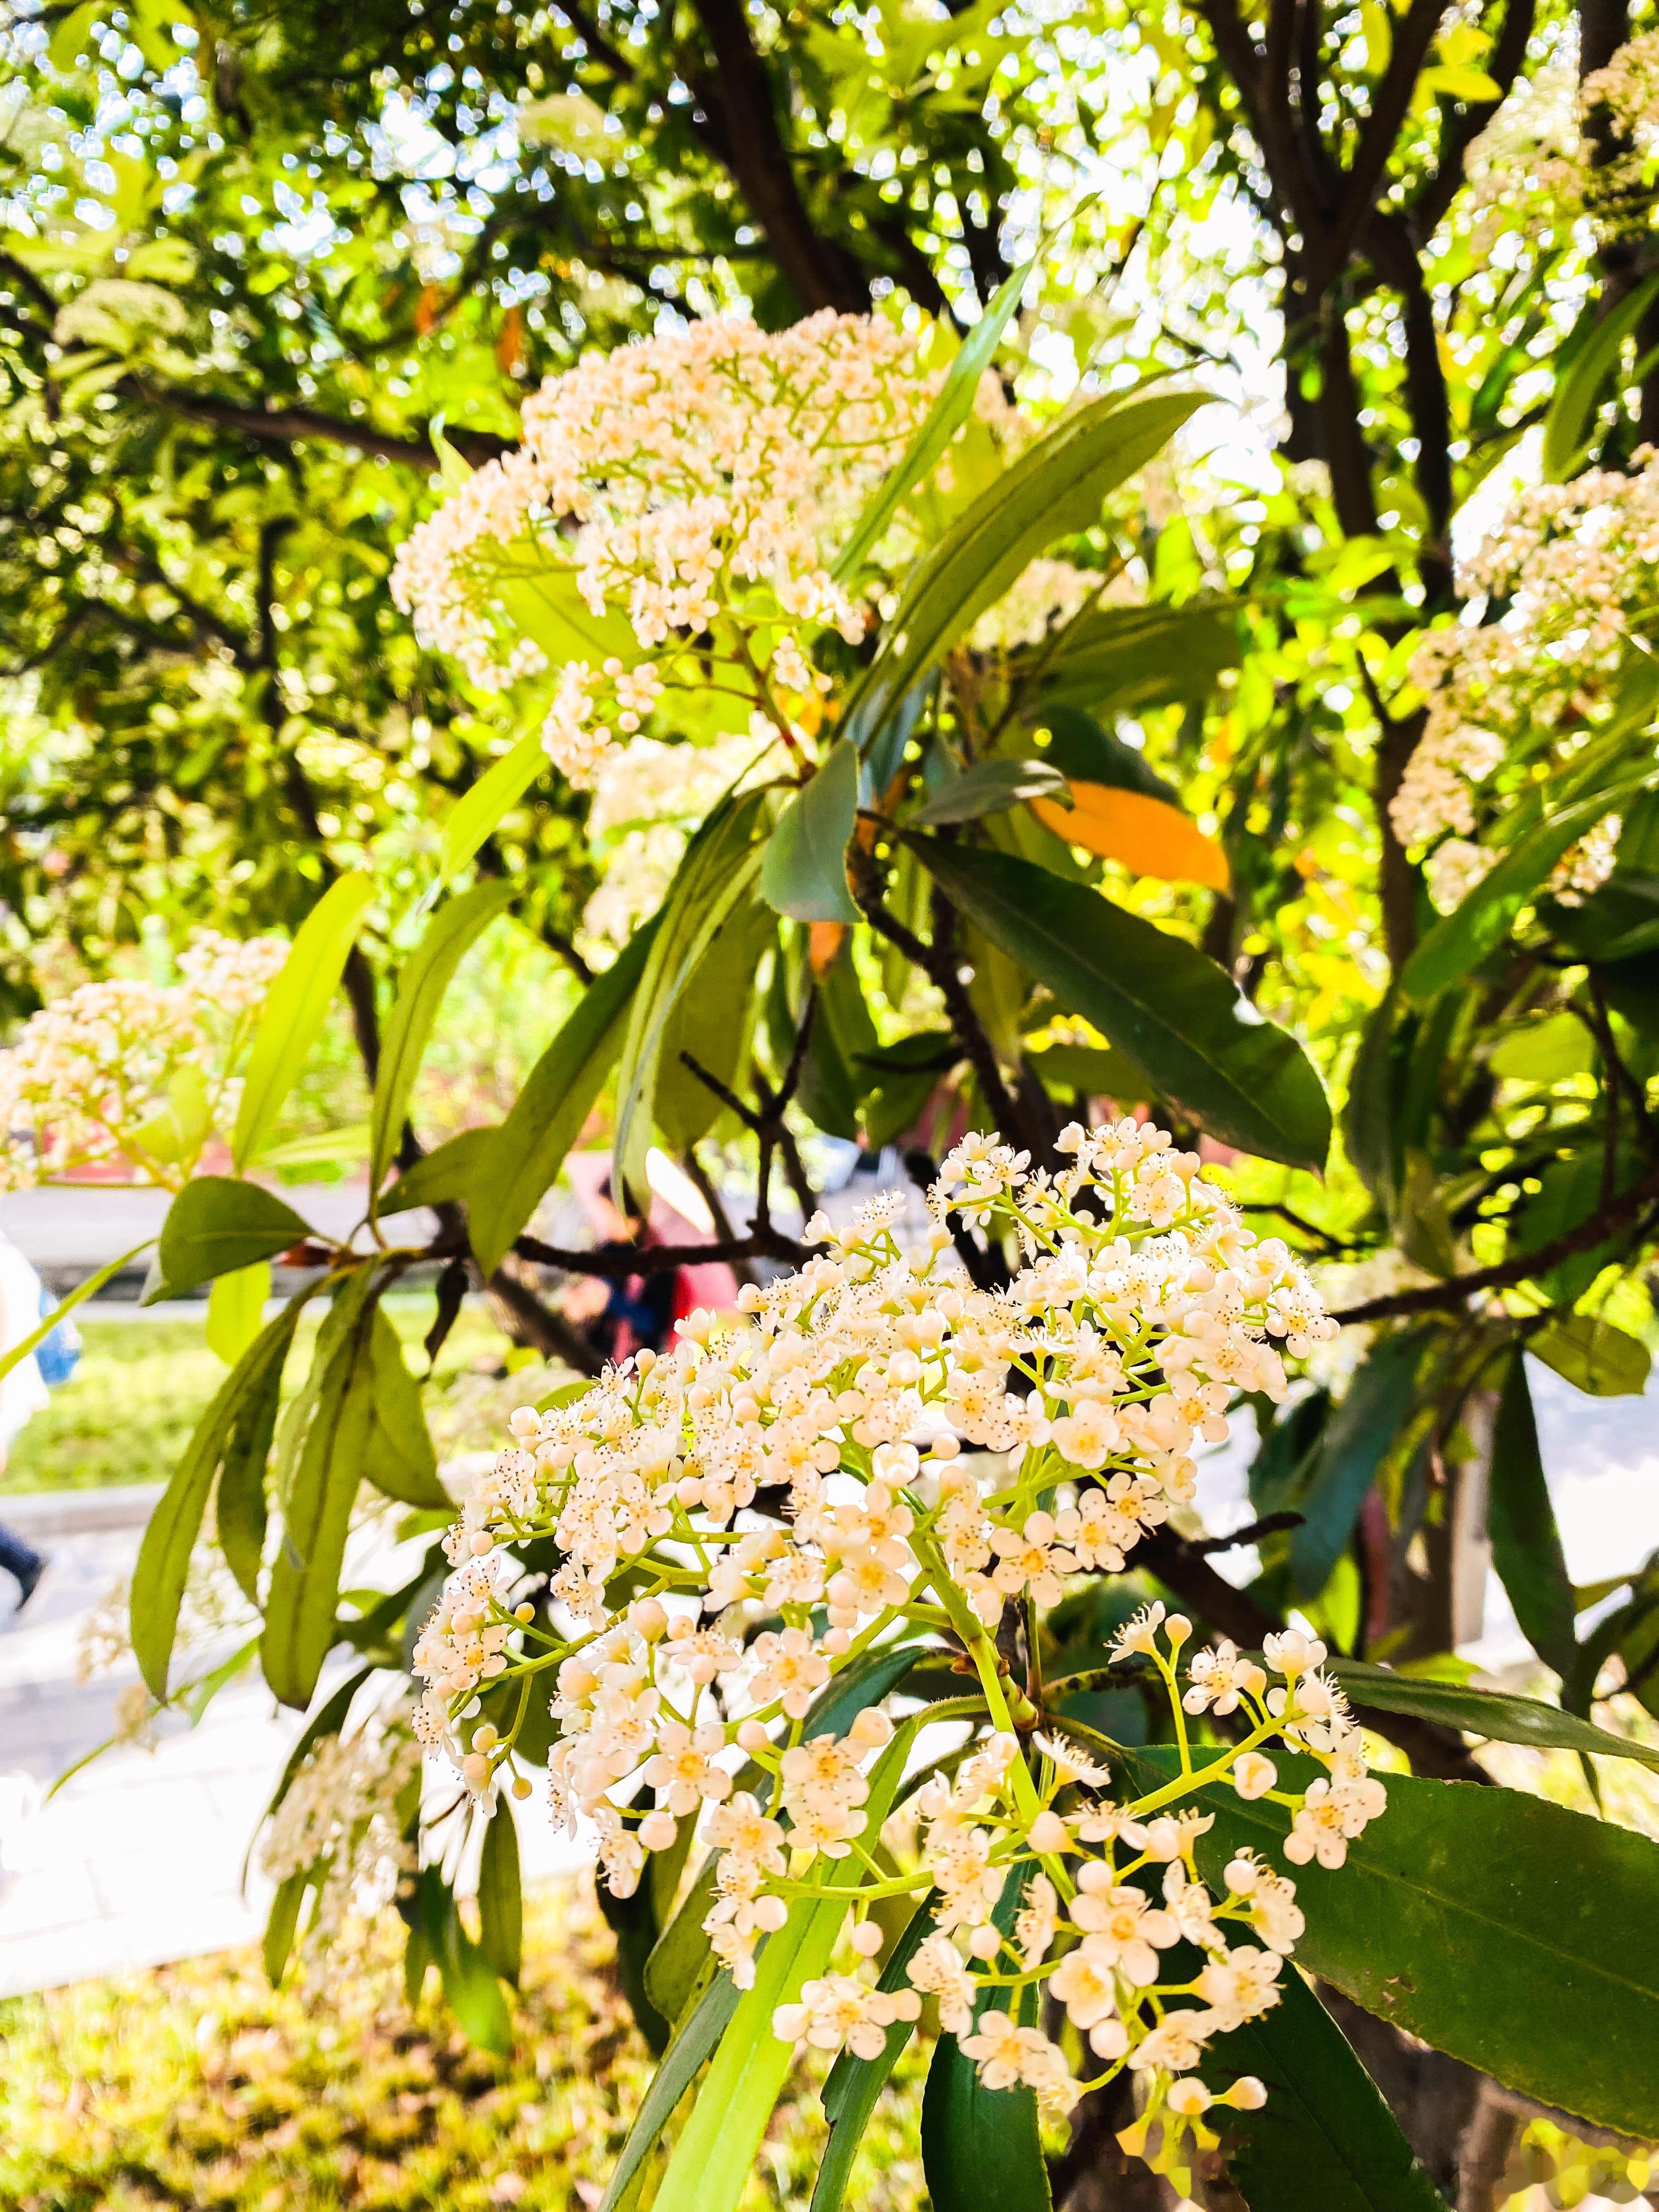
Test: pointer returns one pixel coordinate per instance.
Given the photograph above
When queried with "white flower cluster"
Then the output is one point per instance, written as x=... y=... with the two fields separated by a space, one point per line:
x=1537 y=168
x=785 y=1496
x=685 y=480
x=1512 y=702
x=343 y=1821
x=96 y=1076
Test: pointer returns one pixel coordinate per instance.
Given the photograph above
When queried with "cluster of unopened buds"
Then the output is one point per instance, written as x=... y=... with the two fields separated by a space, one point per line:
x=865 y=1466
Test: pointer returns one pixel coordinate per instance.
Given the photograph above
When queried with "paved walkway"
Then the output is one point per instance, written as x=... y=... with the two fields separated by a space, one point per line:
x=138 y=1859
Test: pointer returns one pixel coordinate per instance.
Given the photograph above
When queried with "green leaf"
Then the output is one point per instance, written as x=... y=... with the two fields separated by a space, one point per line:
x=297 y=1006
x=442 y=1177
x=677 y=1959
x=855 y=2086
x=1127 y=660
x=427 y=976
x=1057 y=487
x=66 y=1305
x=239 y=1503
x=1595 y=1357
x=1493 y=1714
x=283 y=1924
x=1352 y=1448
x=989 y=787
x=402 y=1461
x=713 y=880
x=1461 y=939
x=332 y=1442
x=980 y=2146
x=711 y=2163
x=1325 y=2138
x=471 y=1990
x=217 y=1225
x=695 y=2037
x=1084 y=752
x=1567 y=423
x=163 y=1563
x=803 y=874
x=944 y=419
x=501 y=1897
x=1370 y=1120
x=528 y=1150
x=1177 y=1015
x=713 y=1021
x=1518 y=1936
x=1098 y=1074
x=480 y=812
x=1526 y=1544
x=1545 y=1052
x=236 y=1307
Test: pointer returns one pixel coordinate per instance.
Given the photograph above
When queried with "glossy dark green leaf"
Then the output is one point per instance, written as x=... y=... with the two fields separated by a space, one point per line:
x=1179 y=1016
x=1127 y=661
x=1352 y=1448
x=678 y=2069
x=1371 y=1134
x=990 y=786
x=1593 y=1355
x=1526 y=1544
x=528 y=1150
x=427 y=976
x=443 y=1175
x=216 y=1225
x=1493 y=1714
x=1325 y=2138
x=803 y=874
x=163 y=1563
x=1085 y=752
x=1518 y=1936
x=980 y=2146
x=854 y=2085
x=1461 y=940
x=1057 y=487
x=501 y=1896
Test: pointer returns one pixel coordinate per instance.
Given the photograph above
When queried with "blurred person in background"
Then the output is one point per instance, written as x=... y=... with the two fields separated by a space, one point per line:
x=24 y=1303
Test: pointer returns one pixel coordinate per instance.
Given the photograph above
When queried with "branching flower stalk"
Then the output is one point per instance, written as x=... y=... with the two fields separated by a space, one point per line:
x=874 y=1457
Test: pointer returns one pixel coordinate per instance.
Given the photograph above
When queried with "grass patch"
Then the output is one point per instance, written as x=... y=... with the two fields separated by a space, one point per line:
x=197 y=2085
x=127 y=1411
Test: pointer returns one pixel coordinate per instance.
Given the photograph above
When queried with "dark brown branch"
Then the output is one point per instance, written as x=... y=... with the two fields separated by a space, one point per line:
x=740 y=92
x=1448 y=1296
x=1412 y=40
x=617 y=1264
x=287 y=425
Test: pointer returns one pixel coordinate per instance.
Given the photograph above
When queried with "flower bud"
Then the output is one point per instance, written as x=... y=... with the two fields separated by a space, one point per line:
x=866 y=1938
x=648 y=1620
x=658 y=1830
x=1246 y=2096
x=1253 y=1775
x=770 y=1913
x=1048 y=1833
x=752 y=1737
x=871 y=1728
x=985 y=1942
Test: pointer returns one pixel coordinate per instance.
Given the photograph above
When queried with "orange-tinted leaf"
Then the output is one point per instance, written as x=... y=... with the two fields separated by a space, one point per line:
x=1144 y=833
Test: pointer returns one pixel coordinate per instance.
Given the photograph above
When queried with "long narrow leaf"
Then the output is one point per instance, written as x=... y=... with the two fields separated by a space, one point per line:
x=944 y=418
x=427 y=976
x=482 y=810
x=296 y=1007
x=526 y=1153
x=1494 y=1715
x=66 y=1305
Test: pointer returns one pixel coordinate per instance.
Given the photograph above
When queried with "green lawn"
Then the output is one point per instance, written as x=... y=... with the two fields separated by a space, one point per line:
x=196 y=2086
x=127 y=1413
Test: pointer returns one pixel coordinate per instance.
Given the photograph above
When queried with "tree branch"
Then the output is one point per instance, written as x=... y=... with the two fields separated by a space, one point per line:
x=287 y=425
x=1448 y=1296
x=738 y=89
x=1412 y=39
